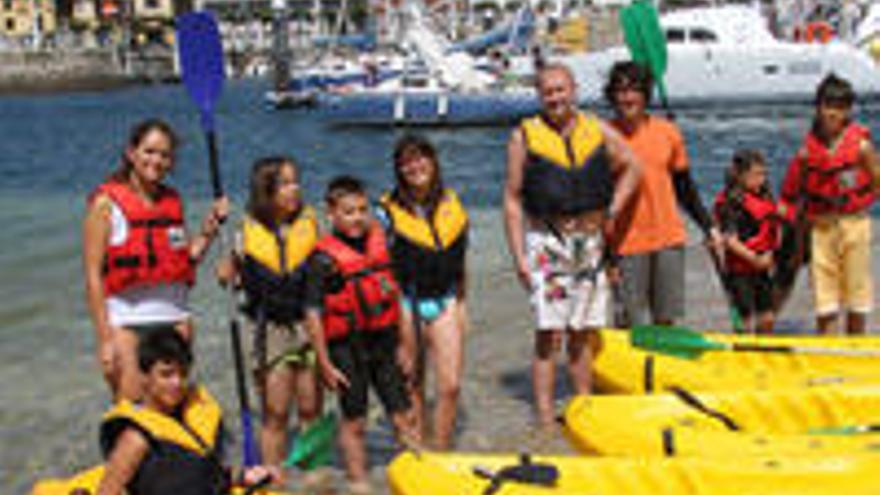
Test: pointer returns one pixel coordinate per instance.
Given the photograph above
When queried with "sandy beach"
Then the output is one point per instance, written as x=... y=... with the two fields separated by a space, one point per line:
x=495 y=412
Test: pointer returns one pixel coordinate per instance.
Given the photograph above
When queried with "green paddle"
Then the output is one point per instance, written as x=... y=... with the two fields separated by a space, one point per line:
x=689 y=344
x=313 y=447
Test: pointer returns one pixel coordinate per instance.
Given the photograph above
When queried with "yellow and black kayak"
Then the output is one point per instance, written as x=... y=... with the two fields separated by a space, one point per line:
x=86 y=483
x=792 y=422
x=476 y=474
x=621 y=368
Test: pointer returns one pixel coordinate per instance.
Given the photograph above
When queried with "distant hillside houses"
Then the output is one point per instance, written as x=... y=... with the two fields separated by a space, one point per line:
x=26 y=22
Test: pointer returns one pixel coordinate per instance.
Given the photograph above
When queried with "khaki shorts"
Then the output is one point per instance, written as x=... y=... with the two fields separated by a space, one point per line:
x=279 y=345
x=841 y=264
x=570 y=289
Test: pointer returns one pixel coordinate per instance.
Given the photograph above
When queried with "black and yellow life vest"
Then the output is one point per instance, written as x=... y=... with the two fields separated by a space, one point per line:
x=565 y=175
x=183 y=458
x=428 y=255
x=274 y=266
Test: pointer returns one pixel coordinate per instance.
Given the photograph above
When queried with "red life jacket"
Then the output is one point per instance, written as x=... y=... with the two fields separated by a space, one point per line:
x=761 y=219
x=836 y=183
x=156 y=249
x=369 y=299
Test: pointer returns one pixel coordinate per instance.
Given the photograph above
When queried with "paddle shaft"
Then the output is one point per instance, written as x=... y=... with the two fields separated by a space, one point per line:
x=214 y=161
x=250 y=454
x=735 y=318
x=794 y=349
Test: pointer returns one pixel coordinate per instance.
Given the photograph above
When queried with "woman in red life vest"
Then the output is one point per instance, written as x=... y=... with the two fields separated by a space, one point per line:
x=138 y=258
x=747 y=214
x=831 y=183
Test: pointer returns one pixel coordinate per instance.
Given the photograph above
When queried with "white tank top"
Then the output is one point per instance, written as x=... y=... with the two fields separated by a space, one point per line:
x=164 y=303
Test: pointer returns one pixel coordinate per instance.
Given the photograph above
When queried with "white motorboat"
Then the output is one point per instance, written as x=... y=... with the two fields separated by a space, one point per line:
x=726 y=54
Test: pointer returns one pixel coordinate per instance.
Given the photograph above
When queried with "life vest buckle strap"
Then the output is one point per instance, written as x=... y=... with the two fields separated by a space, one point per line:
x=156 y=222
x=127 y=261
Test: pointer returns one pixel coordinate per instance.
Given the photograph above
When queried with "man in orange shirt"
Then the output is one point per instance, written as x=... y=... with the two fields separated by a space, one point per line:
x=650 y=234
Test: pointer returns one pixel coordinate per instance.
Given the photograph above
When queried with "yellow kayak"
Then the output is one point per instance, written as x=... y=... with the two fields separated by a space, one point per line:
x=86 y=483
x=725 y=424
x=621 y=368
x=454 y=474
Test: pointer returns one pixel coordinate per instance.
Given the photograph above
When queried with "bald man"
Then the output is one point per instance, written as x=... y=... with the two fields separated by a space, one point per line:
x=560 y=199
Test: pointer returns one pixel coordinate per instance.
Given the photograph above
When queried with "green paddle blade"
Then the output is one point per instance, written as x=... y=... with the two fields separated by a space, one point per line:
x=675 y=341
x=313 y=447
x=738 y=325
x=645 y=39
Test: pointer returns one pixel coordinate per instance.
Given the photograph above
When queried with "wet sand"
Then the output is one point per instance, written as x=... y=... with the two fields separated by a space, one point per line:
x=59 y=436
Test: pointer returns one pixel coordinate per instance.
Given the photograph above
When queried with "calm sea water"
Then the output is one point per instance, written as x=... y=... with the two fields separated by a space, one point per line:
x=54 y=149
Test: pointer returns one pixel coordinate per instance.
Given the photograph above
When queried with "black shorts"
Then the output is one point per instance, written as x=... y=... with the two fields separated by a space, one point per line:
x=752 y=293
x=369 y=358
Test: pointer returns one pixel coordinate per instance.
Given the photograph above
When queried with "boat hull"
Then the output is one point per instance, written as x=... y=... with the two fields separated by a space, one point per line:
x=429 y=108
x=453 y=474
x=622 y=368
x=726 y=424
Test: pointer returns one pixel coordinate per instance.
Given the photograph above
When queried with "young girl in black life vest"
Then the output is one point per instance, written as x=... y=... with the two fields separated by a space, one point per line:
x=746 y=211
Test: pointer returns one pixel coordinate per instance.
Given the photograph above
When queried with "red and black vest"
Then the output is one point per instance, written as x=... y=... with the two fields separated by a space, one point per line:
x=155 y=250
x=757 y=227
x=835 y=182
x=369 y=298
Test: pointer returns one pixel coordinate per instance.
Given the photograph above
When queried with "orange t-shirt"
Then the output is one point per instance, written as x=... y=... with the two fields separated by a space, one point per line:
x=652 y=221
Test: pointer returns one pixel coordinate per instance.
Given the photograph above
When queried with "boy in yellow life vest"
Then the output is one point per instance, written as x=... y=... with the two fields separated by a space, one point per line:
x=171 y=441
x=832 y=182
x=356 y=329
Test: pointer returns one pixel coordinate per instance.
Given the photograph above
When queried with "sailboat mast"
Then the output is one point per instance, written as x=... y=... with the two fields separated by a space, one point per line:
x=280 y=46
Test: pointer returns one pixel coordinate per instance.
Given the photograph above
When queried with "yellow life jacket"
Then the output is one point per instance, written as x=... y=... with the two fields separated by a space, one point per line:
x=274 y=266
x=565 y=175
x=183 y=455
x=428 y=255
x=281 y=256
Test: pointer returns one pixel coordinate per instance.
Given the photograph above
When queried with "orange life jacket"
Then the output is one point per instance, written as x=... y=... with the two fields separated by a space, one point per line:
x=761 y=222
x=156 y=250
x=835 y=182
x=369 y=298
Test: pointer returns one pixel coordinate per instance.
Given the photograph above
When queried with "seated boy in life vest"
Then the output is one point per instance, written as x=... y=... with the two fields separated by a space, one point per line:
x=747 y=214
x=171 y=441
x=357 y=335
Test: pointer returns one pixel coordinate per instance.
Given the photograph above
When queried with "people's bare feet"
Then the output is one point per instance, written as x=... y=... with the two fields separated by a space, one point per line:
x=318 y=482
x=358 y=488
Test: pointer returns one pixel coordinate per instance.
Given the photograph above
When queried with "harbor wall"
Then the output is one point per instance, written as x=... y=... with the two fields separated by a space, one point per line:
x=32 y=71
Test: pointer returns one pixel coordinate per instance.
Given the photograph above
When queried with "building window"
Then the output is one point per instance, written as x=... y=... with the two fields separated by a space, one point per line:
x=152 y=4
x=675 y=35
x=700 y=35
x=7 y=5
x=10 y=24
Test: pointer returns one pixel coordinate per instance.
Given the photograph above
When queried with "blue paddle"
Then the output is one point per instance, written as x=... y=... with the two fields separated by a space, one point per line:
x=201 y=63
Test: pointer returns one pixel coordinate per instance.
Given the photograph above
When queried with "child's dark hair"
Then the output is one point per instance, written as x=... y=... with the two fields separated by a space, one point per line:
x=343 y=185
x=628 y=73
x=135 y=136
x=264 y=184
x=835 y=90
x=743 y=160
x=163 y=344
x=407 y=146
